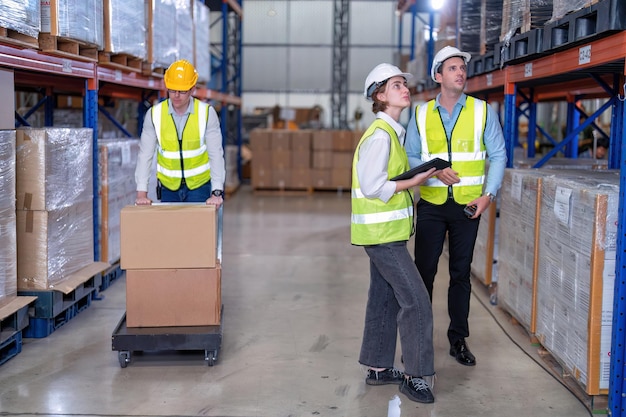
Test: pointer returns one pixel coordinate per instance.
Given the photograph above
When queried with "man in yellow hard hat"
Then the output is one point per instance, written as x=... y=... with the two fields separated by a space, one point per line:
x=186 y=136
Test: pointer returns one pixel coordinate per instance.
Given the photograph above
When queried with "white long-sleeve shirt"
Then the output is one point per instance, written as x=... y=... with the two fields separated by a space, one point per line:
x=149 y=143
x=374 y=160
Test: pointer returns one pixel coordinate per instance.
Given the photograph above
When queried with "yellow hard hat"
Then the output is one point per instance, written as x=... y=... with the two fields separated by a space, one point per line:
x=180 y=76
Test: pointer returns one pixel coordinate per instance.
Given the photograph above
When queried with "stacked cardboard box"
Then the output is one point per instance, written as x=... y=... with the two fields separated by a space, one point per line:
x=173 y=276
x=54 y=194
x=302 y=159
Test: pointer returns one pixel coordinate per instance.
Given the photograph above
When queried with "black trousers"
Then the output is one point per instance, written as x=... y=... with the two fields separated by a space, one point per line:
x=433 y=224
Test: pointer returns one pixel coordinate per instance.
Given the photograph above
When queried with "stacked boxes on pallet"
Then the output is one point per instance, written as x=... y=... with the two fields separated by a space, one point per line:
x=54 y=190
x=117 y=189
x=81 y=21
x=124 y=27
x=576 y=274
x=557 y=244
x=173 y=276
x=8 y=251
x=23 y=17
x=302 y=159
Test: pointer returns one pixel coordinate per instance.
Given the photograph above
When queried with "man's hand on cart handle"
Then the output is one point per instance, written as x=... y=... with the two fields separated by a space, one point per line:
x=142 y=199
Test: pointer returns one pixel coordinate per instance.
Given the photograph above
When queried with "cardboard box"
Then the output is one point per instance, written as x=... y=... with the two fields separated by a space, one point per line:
x=173 y=297
x=168 y=236
x=342 y=140
x=280 y=140
x=322 y=140
x=259 y=140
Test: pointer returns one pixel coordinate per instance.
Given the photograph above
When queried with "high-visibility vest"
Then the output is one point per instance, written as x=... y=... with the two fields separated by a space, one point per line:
x=187 y=158
x=466 y=150
x=373 y=221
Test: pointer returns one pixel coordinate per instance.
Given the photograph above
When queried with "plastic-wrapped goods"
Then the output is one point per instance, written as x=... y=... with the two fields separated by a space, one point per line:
x=81 y=20
x=492 y=24
x=53 y=167
x=202 y=51
x=52 y=245
x=184 y=30
x=164 y=49
x=540 y=12
x=576 y=272
x=469 y=26
x=22 y=16
x=125 y=27
x=562 y=7
x=8 y=251
x=117 y=159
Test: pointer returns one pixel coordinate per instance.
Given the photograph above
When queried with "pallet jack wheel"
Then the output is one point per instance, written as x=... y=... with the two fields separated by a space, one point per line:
x=124 y=358
x=210 y=356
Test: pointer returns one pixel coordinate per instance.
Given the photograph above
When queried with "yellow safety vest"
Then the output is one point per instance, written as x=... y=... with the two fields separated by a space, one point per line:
x=373 y=221
x=466 y=150
x=187 y=158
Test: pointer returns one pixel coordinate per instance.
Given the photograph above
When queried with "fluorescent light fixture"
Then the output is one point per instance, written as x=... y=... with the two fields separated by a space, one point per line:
x=436 y=4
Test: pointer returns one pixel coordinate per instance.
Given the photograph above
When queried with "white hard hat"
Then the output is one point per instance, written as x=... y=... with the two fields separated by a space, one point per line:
x=445 y=53
x=380 y=74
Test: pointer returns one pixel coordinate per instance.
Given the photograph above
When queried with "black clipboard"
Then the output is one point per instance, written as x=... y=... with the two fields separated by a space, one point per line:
x=433 y=163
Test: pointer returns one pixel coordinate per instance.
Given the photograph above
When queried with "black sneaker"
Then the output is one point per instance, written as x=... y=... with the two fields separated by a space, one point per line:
x=388 y=376
x=417 y=389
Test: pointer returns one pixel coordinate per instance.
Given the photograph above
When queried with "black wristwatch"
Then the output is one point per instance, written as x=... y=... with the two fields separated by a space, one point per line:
x=218 y=193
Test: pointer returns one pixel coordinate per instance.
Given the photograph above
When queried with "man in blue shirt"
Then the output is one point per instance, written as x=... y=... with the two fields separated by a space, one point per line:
x=465 y=131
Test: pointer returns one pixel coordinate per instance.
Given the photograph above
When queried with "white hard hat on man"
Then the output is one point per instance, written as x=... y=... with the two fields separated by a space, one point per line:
x=379 y=75
x=445 y=53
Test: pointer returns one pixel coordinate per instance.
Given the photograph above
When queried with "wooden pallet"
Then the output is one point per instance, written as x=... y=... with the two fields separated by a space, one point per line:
x=123 y=62
x=67 y=48
x=18 y=39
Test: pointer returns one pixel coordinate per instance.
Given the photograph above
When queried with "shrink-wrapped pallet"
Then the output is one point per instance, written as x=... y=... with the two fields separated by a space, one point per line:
x=8 y=252
x=575 y=283
x=80 y=20
x=125 y=27
x=54 y=195
x=117 y=159
x=23 y=16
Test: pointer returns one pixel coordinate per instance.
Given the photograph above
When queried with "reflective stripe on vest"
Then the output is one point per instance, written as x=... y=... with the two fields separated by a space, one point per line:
x=373 y=221
x=467 y=153
x=192 y=161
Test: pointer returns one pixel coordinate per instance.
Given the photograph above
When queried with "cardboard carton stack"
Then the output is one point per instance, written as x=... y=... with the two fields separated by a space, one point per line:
x=302 y=159
x=54 y=194
x=8 y=252
x=173 y=276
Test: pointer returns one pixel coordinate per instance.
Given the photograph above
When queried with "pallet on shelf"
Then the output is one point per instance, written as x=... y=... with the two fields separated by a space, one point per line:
x=123 y=62
x=67 y=48
x=16 y=38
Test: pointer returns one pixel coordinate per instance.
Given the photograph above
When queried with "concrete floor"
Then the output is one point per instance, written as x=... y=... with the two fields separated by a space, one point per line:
x=294 y=293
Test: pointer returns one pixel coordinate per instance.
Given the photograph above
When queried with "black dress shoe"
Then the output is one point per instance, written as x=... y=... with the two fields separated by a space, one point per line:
x=462 y=354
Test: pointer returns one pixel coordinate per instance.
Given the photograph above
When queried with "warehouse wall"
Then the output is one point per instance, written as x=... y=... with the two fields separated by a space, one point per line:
x=287 y=52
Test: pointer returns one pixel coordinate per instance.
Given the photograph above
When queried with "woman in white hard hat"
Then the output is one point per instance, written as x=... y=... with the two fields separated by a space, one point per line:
x=186 y=132
x=465 y=131
x=382 y=222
